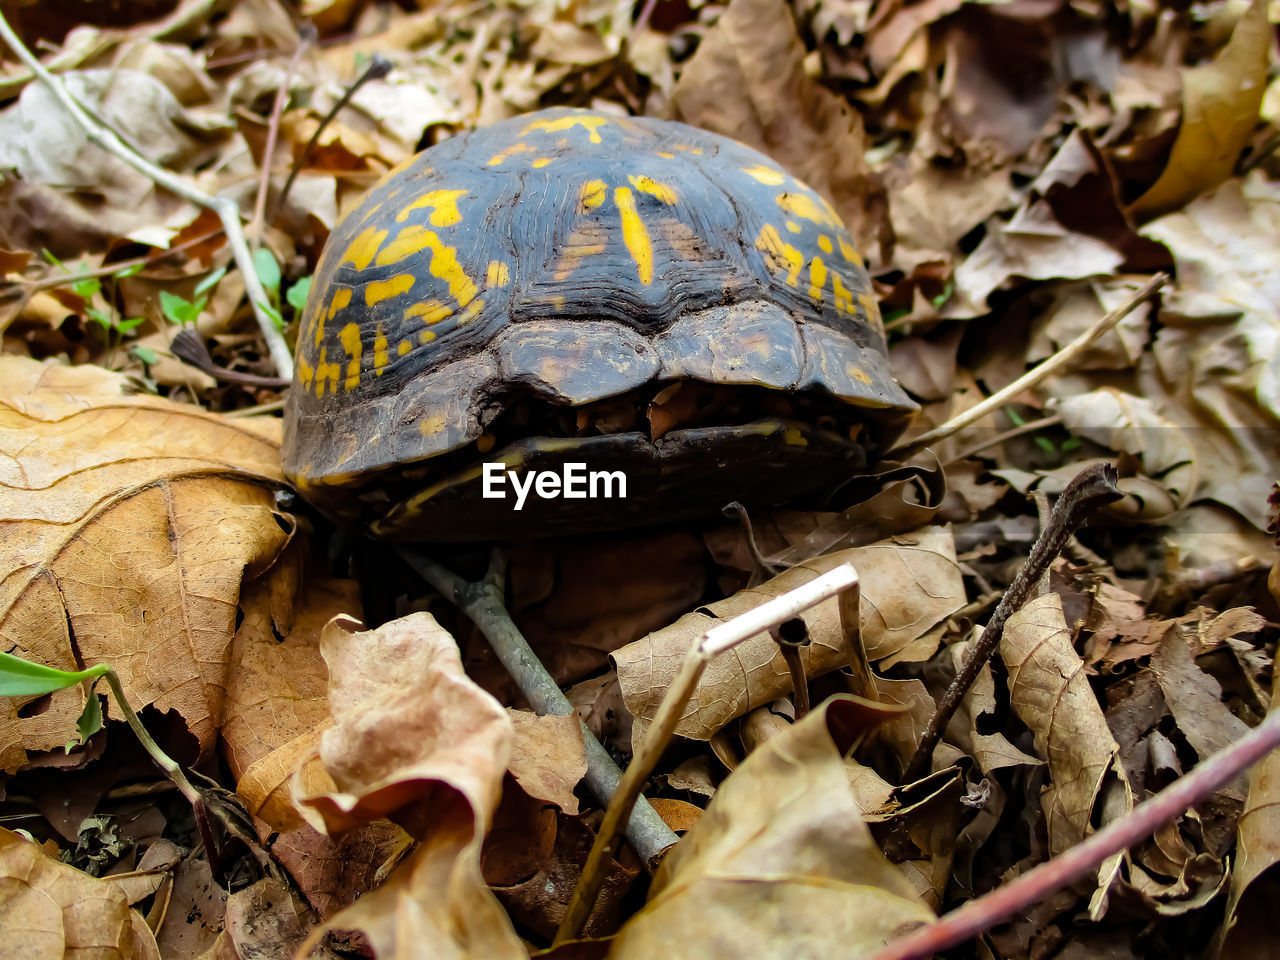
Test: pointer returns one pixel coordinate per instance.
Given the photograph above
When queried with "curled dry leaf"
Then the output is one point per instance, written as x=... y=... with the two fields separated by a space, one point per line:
x=180 y=500
x=780 y=857
x=54 y=911
x=548 y=757
x=414 y=739
x=908 y=585
x=1050 y=692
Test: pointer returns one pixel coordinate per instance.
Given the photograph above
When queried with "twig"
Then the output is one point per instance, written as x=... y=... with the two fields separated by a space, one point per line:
x=736 y=511
x=715 y=641
x=790 y=636
x=188 y=347
x=226 y=210
x=978 y=916
x=306 y=36
x=1031 y=426
x=378 y=68
x=1031 y=378
x=482 y=602
x=1091 y=489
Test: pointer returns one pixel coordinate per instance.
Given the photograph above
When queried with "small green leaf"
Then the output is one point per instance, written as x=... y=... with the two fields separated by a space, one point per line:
x=90 y=721
x=86 y=288
x=173 y=306
x=144 y=354
x=210 y=281
x=1017 y=418
x=274 y=313
x=48 y=255
x=22 y=678
x=1045 y=444
x=100 y=316
x=124 y=326
x=128 y=271
x=264 y=264
x=193 y=312
x=944 y=296
x=297 y=295
x=1071 y=443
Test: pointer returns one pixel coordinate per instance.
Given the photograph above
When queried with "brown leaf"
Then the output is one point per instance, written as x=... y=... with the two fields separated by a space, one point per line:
x=1050 y=692
x=548 y=757
x=908 y=585
x=414 y=739
x=1220 y=103
x=780 y=857
x=52 y=910
x=747 y=81
x=129 y=524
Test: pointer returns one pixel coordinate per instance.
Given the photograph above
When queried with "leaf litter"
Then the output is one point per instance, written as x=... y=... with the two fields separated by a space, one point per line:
x=1010 y=172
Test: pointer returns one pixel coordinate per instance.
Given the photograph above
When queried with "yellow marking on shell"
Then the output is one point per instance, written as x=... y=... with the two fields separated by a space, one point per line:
x=500 y=158
x=469 y=314
x=426 y=336
x=591 y=124
x=340 y=300
x=842 y=297
x=817 y=278
x=306 y=372
x=591 y=195
x=872 y=308
x=403 y=347
x=664 y=155
x=572 y=254
x=370 y=212
x=806 y=207
x=380 y=357
x=766 y=175
x=825 y=243
x=361 y=250
x=326 y=372
x=410 y=240
x=778 y=255
x=634 y=234
x=443 y=204
x=663 y=191
x=794 y=437
x=433 y=425
x=542 y=162
x=431 y=311
x=485 y=442
x=351 y=344
x=498 y=274
x=857 y=373
x=793 y=226
x=850 y=254
x=379 y=290
x=445 y=266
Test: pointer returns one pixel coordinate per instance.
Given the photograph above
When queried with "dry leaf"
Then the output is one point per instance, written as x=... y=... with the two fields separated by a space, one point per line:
x=53 y=911
x=779 y=859
x=180 y=500
x=907 y=586
x=1220 y=103
x=548 y=757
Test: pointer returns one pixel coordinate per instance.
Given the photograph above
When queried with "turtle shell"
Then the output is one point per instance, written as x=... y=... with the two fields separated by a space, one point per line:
x=553 y=261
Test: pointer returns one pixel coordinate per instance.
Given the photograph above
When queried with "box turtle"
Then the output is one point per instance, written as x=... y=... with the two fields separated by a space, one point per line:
x=569 y=287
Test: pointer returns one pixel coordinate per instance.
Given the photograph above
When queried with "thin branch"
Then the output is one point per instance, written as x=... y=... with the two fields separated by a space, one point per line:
x=979 y=916
x=715 y=641
x=226 y=210
x=1063 y=358
x=482 y=602
x=306 y=36
x=1091 y=489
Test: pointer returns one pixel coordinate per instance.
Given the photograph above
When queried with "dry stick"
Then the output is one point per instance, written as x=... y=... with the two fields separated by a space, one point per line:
x=1092 y=488
x=978 y=916
x=306 y=36
x=715 y=641
x=226 y=210
x=1031 y=378
x=790 y=636
x=378 y=68
x=482 y=603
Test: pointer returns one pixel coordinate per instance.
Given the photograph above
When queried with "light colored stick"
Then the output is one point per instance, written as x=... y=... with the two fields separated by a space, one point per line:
x=226 y=210
x=1063 y=358
x=715 y=641
x=978 y=916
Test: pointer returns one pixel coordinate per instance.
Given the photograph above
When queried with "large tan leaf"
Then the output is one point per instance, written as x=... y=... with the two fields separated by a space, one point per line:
x=127 y=526
x=1220 y=103
x=780 y=864
x=748 y=81
x=415 y=739
x=1050 y=692
x=908 y=585
x=49 y=910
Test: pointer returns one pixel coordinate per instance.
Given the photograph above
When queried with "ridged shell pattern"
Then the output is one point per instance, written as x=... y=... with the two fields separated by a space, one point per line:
x=575 y=255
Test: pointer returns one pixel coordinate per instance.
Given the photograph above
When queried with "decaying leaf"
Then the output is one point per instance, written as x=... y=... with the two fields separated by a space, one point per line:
x=780 y=857
x=908 y=586
x=548 y=757
x=181 y=502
